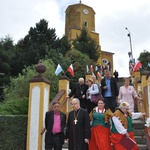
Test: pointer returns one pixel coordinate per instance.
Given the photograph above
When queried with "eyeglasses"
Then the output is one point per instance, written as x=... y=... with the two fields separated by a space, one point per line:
x=73 y=103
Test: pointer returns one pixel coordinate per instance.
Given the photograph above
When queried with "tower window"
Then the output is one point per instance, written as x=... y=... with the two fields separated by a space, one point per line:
x=85 y=24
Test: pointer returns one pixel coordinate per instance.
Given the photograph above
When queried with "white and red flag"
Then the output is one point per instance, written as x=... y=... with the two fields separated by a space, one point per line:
x=70 y=69
x=98 y=74
x=91 y=68
x=137 y=66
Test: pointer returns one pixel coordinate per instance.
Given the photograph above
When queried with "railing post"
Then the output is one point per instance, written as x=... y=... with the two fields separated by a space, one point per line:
x=38 y=105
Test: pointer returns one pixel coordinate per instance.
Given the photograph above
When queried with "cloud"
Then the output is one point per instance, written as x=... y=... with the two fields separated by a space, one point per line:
x=111 y=18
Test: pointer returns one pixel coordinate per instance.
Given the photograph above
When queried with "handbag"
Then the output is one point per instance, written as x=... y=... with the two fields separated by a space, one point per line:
x=95 y=98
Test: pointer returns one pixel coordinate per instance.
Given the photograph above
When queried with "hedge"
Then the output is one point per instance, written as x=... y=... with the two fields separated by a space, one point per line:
x=13 y=130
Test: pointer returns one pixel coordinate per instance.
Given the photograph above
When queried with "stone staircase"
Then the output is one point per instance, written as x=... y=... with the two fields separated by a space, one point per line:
x=139 y=134
x=138 y=126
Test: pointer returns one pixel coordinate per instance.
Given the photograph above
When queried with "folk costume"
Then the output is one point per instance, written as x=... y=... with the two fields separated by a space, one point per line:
x=100 y=130
x=78 y=129
x=121 y=124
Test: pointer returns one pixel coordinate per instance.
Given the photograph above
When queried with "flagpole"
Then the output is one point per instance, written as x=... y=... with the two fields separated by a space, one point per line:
x=65 y=72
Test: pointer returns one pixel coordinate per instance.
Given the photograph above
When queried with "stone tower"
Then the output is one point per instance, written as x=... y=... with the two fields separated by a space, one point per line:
x=79 y=16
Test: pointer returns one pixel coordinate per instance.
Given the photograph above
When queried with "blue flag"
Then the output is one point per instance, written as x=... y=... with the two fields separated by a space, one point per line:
x=87 y=68
x=58 y=69
x=96 y=68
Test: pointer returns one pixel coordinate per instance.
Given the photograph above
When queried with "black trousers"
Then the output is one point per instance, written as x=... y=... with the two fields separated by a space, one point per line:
x=83 y=103
x=111 y=103
x=90 y=105
x=56 y=142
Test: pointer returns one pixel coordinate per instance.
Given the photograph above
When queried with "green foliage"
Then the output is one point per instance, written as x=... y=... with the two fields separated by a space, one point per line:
x=35 y=45
x=14 y=107
x=144 y=59
x=85 y=44
x=65 y=46
x=40 y=43
x=13 y=130
x=6 y=61
x=79 y=62
x=19 y=88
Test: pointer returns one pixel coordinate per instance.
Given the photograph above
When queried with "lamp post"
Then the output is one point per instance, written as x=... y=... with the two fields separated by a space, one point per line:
x=131 y=61
x=129 y=35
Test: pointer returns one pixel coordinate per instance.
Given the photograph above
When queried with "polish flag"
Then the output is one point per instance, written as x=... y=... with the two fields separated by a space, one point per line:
x=91 y=68
x=101 y=68
x=70 y=69
x=137 y=66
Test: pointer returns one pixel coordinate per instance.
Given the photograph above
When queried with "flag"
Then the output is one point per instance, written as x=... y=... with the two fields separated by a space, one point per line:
x=98 y=74
x=91 y=68
x=96 y=68
x=87 y=68
x=137 y=66
x=58 y=69
x=70 y=69
x=93 y=74
x=101 y=68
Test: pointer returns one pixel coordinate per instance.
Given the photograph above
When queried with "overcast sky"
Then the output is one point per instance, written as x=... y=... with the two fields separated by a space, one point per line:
x=111 y=18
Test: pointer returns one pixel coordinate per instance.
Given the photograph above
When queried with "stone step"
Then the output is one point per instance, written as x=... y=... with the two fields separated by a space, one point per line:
x=142 y=147
x=139 y=132
x=65 y=145
x=138 y=124
x=140 y=140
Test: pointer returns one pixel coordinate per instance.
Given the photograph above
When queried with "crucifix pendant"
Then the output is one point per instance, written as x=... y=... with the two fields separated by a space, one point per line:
x=75 y=121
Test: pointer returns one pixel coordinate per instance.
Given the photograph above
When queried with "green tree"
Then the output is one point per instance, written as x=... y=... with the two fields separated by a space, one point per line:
x=144 y=59
x=79 y=62
x=6 y=60
x=35 y=45
x=40 y=43
x=87 y=45
x=18 y=90
x=65 y=46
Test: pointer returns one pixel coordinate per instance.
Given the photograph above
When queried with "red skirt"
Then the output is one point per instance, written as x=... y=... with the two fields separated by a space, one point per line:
x=100 y=138
x=116 y=137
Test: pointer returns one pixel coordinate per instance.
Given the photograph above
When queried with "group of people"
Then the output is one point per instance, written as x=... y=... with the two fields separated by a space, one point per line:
x=107 y=88
x=93 y=126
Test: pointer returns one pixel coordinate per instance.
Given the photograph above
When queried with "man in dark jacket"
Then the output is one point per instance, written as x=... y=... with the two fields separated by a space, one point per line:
x=55 y=122
x=116 y=74
x=110 y=91
x=79 y=91
x=78 y=127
